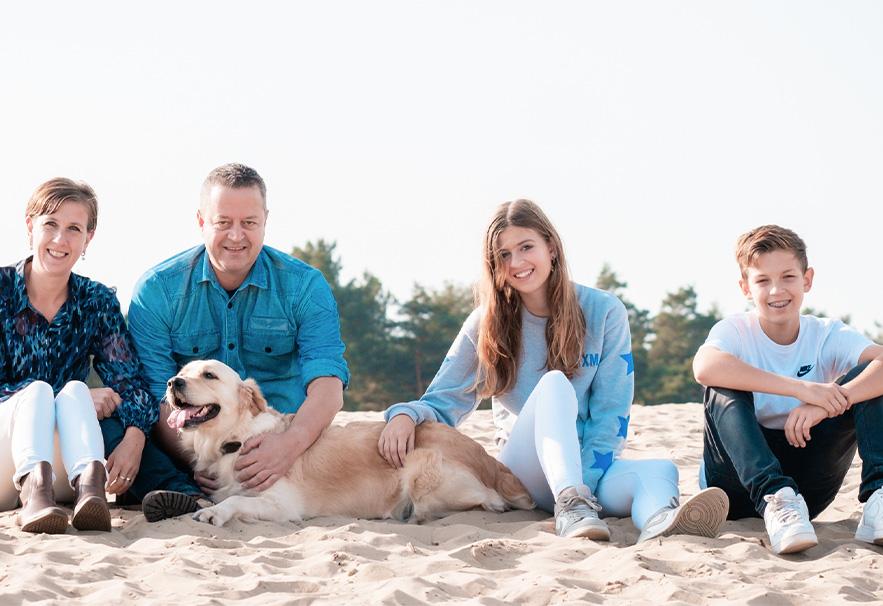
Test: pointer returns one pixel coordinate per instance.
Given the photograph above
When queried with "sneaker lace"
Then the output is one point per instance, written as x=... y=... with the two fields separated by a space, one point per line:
x=784 y=509
x=573 y=502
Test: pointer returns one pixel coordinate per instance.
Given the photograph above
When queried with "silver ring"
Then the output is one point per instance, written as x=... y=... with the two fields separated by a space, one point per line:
x=125 y=479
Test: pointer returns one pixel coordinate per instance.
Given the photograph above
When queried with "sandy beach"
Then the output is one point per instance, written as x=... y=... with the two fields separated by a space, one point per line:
x=475 y=557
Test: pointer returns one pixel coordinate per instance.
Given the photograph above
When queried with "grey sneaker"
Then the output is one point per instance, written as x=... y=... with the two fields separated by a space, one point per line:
x=576 y=515
x=700 y=515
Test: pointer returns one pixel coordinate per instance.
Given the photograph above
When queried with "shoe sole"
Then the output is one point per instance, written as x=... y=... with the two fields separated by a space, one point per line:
x=866 y=534
x=589 y=531
x=798 y=543
x=51 y=523
x=163 y=504
x=701 y=515
x=92 y=514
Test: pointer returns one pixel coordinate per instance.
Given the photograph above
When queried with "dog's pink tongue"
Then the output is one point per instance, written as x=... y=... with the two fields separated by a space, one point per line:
x=177 y=418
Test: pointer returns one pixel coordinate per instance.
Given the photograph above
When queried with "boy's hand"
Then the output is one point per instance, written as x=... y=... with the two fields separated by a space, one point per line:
x=799 y=422
x=829 y=396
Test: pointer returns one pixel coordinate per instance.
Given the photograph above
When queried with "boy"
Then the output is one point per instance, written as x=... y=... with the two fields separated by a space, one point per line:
x=780 y=428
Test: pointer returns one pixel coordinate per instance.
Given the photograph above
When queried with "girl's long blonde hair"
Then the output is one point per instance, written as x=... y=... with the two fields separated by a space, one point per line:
x=499 y=335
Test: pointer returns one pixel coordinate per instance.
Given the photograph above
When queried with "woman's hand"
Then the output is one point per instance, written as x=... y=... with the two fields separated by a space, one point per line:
x=106 y=401
x=207 y=484
x=397 y=440
x=800 y=421
x=125 y=461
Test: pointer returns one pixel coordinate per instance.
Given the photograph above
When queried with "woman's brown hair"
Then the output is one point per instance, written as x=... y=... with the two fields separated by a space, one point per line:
x=49 y=197
x=499 y=335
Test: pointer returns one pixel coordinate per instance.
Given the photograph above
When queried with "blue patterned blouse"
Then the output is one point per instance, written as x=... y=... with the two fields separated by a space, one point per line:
x=88 y=324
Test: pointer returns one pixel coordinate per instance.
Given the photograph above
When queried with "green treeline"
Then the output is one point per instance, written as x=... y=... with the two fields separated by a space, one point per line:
x=394 y=348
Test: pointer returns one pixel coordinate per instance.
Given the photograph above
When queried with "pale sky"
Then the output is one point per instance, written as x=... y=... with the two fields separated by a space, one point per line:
x=653 y=133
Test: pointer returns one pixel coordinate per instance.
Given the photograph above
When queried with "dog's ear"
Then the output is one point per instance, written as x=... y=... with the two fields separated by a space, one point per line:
x=251 y=397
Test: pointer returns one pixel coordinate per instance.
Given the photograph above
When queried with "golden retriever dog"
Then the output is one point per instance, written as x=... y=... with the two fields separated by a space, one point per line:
x=342 y=473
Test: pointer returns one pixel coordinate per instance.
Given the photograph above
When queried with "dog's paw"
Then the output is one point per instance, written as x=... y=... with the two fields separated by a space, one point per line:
x=212 y=515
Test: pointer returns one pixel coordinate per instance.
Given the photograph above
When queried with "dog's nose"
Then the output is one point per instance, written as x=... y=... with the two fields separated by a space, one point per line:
x=176 y=382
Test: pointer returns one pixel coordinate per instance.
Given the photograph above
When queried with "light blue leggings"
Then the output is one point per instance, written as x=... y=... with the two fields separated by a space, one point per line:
x=543 y=451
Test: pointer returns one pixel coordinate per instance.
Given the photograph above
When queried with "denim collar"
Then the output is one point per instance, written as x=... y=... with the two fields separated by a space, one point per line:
x=257 y=277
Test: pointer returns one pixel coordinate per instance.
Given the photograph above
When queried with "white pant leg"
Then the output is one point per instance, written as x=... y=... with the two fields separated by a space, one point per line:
x=27 y=430
x=638 y=488
x=543 y=450
x=79 y=433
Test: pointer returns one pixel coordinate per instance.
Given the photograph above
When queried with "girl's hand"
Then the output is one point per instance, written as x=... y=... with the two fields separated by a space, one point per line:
x=105 y=400
x=125 y=461
x=397 y=440
x=800 y=421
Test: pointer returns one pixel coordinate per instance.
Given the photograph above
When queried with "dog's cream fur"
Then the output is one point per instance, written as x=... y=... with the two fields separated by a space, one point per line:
x=342 y=473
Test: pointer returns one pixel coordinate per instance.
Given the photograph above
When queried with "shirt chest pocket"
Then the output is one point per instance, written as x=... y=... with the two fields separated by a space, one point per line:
x=268 y=354
x=200 y=346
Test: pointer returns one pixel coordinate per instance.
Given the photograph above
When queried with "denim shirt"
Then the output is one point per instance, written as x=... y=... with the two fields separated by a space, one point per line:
x=280 y=327
x=89 y=323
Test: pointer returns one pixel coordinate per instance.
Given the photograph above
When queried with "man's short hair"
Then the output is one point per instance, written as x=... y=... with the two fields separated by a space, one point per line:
x=49 y=197
x=234 y=176
x=768 y=238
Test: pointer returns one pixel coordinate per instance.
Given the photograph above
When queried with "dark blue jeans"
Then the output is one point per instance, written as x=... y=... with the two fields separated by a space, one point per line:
x=749 y=461
x=157 y=469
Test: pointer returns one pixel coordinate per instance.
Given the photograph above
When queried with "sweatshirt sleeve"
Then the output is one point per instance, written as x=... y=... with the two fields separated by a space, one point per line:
x=451 y=396
x=610 y=397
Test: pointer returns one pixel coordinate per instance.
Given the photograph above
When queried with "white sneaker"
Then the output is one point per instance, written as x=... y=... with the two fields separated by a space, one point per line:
x=701 y=515
x=870 y=528
x=787 y=522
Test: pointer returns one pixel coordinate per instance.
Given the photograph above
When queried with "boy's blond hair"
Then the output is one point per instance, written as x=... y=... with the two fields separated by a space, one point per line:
x=768 y=238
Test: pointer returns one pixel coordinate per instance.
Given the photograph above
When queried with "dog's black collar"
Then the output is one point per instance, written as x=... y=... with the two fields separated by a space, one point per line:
x=230 y=447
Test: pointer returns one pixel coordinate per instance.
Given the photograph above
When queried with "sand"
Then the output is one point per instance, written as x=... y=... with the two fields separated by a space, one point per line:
x=473 y=557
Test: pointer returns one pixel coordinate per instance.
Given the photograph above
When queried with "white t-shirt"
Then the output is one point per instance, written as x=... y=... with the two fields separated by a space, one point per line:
x=824 y=350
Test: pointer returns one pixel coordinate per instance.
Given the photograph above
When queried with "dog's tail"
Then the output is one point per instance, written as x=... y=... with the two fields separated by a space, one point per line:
x=511 y=488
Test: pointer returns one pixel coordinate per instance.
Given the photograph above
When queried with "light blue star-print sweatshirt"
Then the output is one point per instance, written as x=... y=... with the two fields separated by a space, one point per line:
x=604 y=382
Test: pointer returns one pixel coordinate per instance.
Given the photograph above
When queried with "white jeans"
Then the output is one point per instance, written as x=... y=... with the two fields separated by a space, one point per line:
x=35 y=426
x=543 y=451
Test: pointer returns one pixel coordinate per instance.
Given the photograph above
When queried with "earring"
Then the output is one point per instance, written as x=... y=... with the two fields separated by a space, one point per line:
x=83 y=256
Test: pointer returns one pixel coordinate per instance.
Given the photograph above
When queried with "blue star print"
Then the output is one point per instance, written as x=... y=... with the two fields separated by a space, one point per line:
x=630 y=363
x=603 y=460
x=623 y=427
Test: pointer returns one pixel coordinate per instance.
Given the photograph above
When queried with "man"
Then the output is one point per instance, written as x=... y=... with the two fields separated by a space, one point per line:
x=264 y=313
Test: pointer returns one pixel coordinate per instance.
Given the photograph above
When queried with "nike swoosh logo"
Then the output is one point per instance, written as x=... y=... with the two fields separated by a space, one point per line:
x=804 y=370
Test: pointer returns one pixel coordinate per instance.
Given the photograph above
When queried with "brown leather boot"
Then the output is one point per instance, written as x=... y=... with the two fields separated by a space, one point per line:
x=90 y=502
x=39 y=513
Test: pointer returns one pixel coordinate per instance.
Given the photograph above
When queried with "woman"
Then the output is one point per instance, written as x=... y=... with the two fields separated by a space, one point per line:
x=54 y=322
x=555 y=357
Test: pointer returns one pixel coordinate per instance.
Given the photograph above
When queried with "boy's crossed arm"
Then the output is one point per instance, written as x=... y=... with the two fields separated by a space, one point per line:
x=715 y=368
x=869 y=383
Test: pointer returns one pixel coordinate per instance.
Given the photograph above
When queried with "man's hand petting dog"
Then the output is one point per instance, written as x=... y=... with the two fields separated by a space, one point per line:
x=264 y=459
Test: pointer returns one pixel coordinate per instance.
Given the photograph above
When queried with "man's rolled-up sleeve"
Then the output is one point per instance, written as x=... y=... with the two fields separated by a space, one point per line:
x=319 y=344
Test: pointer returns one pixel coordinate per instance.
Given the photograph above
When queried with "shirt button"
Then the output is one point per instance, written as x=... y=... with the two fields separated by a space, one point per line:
x=230 y=346
x=268 y=349
x=230 y=305
x=195 y=350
